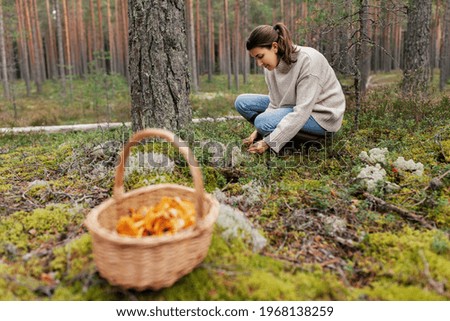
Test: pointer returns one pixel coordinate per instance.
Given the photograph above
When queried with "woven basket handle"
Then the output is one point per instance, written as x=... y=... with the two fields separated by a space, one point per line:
x=180 y=145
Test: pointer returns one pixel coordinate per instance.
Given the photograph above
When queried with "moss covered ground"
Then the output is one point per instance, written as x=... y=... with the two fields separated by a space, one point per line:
x=327 y=240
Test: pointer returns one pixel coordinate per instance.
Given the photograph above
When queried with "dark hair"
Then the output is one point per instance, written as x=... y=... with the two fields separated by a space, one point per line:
x=264 y=35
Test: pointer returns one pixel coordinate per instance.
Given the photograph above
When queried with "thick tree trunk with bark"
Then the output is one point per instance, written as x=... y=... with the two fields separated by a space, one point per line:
x=416 y=72
x=158 y=64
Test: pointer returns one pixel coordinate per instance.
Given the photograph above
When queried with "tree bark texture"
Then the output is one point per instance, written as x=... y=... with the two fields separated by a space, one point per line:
x=416 y=71
x=158 y=64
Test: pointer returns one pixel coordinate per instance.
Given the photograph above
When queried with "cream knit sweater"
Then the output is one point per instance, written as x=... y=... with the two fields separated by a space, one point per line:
x=311 y=87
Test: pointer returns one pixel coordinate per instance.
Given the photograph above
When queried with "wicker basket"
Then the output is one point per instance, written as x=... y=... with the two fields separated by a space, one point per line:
x=151 y=262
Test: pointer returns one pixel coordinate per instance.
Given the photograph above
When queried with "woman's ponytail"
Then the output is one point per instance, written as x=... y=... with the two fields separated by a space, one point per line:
x=285 y=44
x=264 y=36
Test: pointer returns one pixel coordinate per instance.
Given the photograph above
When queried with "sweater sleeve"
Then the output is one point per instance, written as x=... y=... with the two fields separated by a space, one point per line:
x=308 y=90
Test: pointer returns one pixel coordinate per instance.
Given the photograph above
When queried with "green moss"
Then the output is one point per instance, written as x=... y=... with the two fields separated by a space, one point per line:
x=74 y=258
x=5 y=188
x=404 y=258
x=28 y=230
x=213 y=179
x=393 y=262
x=15 y=284
x=388 y=291
x=232 y=272
x=441 y=212
x=446 y=150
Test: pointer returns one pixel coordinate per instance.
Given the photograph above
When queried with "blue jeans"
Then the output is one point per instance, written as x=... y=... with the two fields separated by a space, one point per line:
x=253 y=107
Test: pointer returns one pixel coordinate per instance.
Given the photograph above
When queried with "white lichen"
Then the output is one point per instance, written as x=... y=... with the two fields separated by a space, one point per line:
x=142 y=162
x=409 y=166
x=372 y=176
x=391 y=187
x=375 y=155
x=235 y=224
x=333 y=224
x=251 y=195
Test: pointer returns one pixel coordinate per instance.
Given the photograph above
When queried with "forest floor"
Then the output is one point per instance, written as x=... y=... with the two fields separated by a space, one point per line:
x=330 y=233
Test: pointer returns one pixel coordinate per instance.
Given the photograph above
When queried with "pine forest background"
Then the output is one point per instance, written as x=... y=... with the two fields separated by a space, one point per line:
x=65 y=40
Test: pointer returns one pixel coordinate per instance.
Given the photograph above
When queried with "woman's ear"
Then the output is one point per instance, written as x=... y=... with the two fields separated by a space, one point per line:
x=275 y=47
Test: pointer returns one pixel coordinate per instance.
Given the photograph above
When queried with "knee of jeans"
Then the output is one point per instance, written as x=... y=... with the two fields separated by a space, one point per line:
x=239 y=103
x=262 y=125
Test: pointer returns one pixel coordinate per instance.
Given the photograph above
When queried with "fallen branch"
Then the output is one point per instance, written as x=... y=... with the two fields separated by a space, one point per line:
x=89 y=127
x=384 y=206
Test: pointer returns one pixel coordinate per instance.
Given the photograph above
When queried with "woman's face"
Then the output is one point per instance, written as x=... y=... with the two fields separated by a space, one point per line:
x=266 y=58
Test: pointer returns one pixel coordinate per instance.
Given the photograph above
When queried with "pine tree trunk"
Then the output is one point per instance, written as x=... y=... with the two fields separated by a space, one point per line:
x=59 y=35
x=227 y=43
x=53 y=72
x=68 y=58
x=375 y=61
x=101 y=41
x=158 y=63
x=81 y=39
x=112 y=52
x=445 y=49
x=198 y=41
x=118 y=39
x=416 y=72
x=364 y=62
x=23 y=48
x=436 y=36
x=39 y=44
x=397 y=41
x=6 y=91
x=246 y=55
x=36 y=65
x=221 y=50
x=191 y=43
x=73 y=37
x=237 y=46
x=93 y=34
x=210 y=41
x=385 y=38
x=125 y=37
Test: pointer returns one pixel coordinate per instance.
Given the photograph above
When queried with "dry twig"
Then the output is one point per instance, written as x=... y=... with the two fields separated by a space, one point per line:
x=384 y=206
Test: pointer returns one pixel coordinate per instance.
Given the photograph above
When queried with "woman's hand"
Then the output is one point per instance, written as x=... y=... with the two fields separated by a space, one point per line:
x=250 y=139
x=258 y=147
